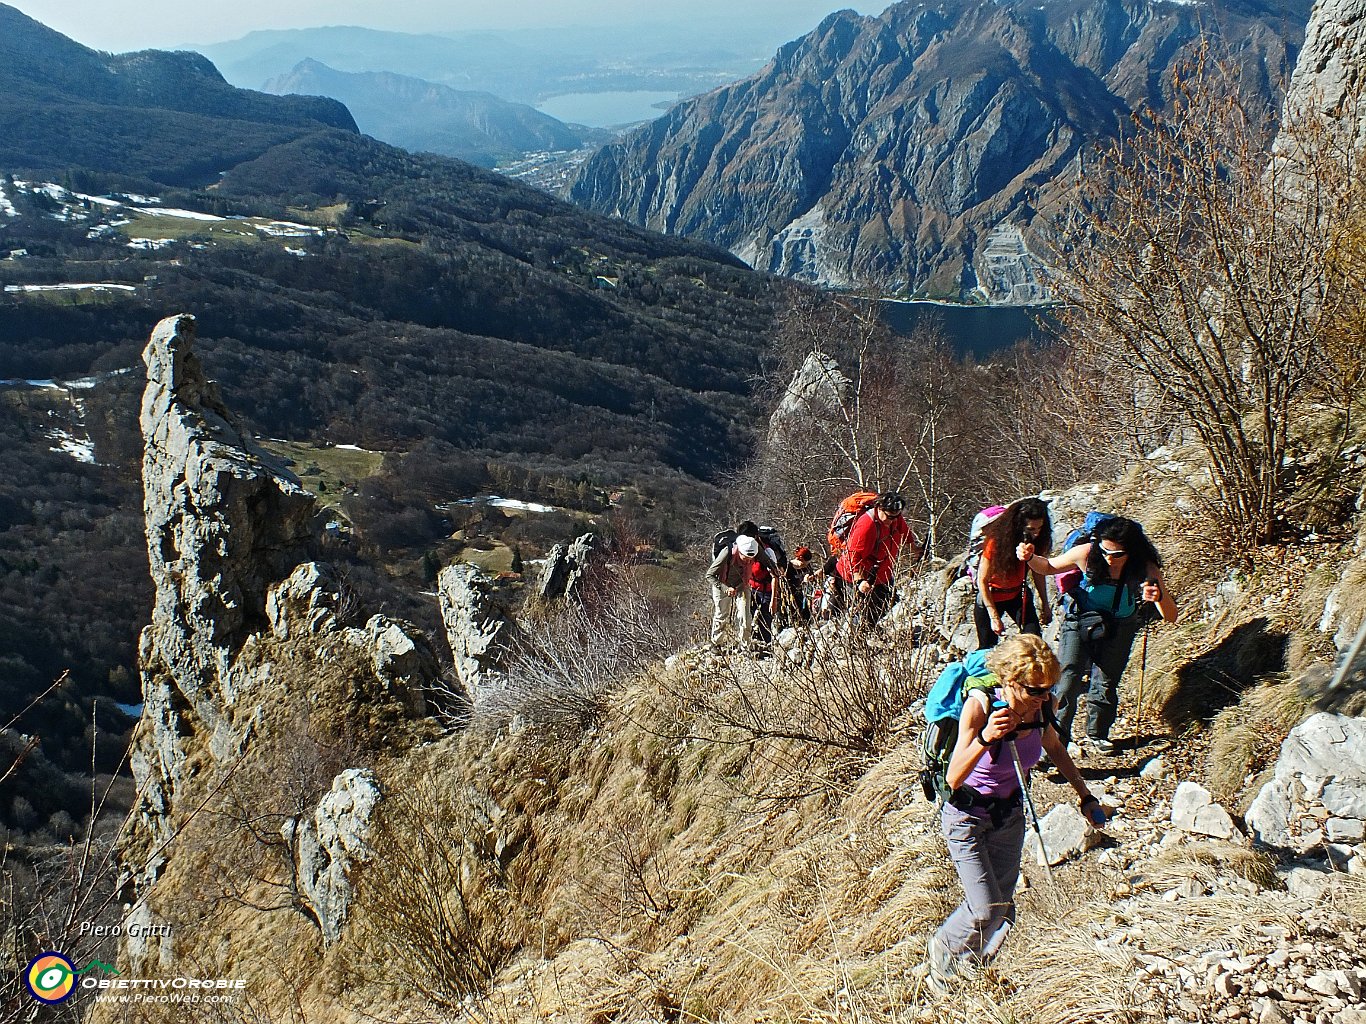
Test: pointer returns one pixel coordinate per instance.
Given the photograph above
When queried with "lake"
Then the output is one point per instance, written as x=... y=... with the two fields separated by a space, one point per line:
x=606 y=109
x=979 y=330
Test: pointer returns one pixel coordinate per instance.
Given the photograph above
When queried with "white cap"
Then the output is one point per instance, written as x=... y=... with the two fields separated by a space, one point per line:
x=747 y=545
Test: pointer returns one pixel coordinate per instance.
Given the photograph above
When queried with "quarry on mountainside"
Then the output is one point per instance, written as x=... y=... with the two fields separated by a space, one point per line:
x=923 y=151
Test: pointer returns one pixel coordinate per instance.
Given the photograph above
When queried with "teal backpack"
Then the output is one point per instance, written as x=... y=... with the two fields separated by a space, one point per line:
x=943 y=706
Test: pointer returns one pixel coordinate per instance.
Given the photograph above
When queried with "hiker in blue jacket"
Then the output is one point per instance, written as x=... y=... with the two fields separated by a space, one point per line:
x=1001 y=736
x=1102 y=615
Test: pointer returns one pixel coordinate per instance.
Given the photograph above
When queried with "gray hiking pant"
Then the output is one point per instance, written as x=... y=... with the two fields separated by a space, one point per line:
x=1095 y=668
x=987 y=858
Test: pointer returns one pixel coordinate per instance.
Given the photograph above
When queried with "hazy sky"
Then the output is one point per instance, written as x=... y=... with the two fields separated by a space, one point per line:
x=122 y=25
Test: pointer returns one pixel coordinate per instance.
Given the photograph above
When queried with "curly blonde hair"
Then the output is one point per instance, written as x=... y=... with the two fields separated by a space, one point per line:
x=1024 y=659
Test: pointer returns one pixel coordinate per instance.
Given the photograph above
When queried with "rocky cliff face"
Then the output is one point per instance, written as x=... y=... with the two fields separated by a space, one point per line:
x=222 y=524
x=254 y=651
x=1328 y=74
x=915 y=149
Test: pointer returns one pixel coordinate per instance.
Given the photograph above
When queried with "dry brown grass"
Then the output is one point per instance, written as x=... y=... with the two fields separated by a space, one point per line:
x=1247 y=738
x=1208 y=862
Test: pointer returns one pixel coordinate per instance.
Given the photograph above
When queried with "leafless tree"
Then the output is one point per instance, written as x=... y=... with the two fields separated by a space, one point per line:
x=1198 y=268
x=860 y=408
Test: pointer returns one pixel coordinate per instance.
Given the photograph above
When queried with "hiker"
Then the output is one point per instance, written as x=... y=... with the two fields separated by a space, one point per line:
x=765 y=591
x=794 y=604
x=1002 y=579
x=867 y=563
x=983 y=820
x=729 y=576
x=1101 y=617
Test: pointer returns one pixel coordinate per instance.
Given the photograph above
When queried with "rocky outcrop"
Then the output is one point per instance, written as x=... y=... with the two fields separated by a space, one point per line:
x=331 y=842
x=1194 y=811
x=816 y=391
x=916 y=149
x=1330 y=69
x=1063 y=833
x=1317 y=798
x=479 y=621
x=253 y=648
x=224 y=521
x=562 y=574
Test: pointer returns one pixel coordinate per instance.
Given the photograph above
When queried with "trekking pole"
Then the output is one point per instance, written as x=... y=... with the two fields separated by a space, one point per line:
x=1143 y=668
x=1033 y=814
x=1353 y=652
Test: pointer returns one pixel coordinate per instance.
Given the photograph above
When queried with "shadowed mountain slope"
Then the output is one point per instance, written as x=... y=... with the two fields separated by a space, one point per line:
x=427 y=117
x=915 y=149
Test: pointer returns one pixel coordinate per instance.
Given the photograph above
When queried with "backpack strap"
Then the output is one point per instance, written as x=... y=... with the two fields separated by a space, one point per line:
x=1050 y=715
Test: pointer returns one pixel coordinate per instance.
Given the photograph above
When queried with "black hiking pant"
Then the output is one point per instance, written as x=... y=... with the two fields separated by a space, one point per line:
x=1021 y=610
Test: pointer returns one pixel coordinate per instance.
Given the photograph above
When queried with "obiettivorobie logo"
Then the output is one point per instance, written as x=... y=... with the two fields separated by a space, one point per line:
x=51 y=976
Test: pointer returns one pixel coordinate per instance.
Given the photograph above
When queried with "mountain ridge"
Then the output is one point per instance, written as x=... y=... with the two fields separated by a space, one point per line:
x=887 y=150
x=424 y=116
x=39 y=63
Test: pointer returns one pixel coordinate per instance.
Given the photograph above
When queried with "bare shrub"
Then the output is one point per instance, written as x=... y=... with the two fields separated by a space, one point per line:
x=421 y=905
x=46 y=896
x=564 y=664
x=635 y=884
x=247 y=837
x=859 y=407
x=1198 y=265
x=869 y=410
x=809 y=717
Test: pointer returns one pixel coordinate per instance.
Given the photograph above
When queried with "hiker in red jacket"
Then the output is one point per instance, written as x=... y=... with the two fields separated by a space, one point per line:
x=868 y=561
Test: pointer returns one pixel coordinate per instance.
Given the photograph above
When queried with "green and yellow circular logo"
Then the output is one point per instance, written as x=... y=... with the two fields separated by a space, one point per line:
x=50 y=977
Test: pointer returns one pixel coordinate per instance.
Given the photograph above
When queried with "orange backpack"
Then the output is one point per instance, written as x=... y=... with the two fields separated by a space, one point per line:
x=850 y=509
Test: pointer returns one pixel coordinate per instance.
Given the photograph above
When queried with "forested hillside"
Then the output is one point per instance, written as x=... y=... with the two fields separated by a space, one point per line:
x=474 y=334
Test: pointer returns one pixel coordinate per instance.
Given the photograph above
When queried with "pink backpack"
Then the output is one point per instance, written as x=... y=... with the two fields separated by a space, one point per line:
x=976 y=542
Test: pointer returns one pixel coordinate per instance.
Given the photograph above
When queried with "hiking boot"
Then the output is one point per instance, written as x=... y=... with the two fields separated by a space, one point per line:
x=943 y=964
x=939 y=986
x=1101 y=746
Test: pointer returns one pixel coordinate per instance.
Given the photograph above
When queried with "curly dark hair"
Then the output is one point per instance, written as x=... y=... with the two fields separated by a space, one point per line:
x=1008 y=529
x=1130 y=536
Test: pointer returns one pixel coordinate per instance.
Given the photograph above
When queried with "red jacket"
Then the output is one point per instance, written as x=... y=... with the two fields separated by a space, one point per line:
x=872 y=549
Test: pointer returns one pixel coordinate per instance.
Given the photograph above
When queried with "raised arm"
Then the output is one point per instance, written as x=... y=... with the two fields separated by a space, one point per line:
x=1072 y=558
x=984 y=591
x=976 y=732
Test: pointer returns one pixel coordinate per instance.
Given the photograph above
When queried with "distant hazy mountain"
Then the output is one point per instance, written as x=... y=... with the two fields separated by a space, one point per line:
x=427 y=117
x=524 y=66
x=475 y=61
x=486 y=334
x=64 y=105
x=914 y=149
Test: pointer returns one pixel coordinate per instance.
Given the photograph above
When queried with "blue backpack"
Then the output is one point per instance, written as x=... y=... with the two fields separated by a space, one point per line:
x=943 y=706
x=1069 y=580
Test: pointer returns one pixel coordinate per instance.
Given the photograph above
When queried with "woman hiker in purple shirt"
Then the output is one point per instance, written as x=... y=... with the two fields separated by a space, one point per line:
x=983 y=821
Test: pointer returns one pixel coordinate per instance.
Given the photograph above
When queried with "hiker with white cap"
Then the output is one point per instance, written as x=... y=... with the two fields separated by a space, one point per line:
x=729 y=576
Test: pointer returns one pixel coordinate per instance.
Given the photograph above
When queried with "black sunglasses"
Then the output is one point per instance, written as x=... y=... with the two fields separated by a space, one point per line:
x=1037 y=691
